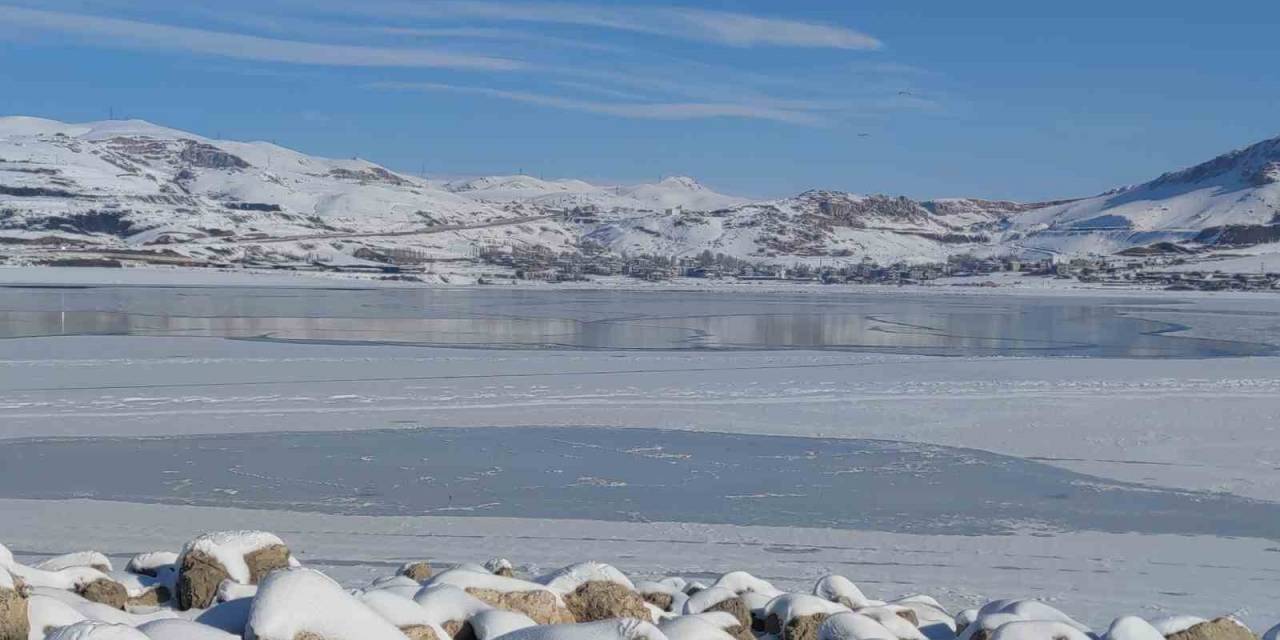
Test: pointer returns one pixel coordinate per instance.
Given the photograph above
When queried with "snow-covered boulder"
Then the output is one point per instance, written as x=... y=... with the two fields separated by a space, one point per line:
x=304 y=604
x=93 y=630
x=450 y=608
x=243 y=556
x=1038 y=630
x=101 y=612
x=419 y=571
x=741 y=582
x=413 y=621
x=183 y=630
x=568 y=579
x=841 y=590
x=532 y=599
x=623 y=629
x=997 y=613
x=599 y=600
x=153 y=563
x=597 y=591
x=1170 y=625
x=724 y=600
x=692 y=628
x=13 y=607
x=899 y=620
x=795 y=616
x=930 y=617
x=495 y=623
x=501 y=567
x=1132 y=628
x=44 y=614
x=91 y=559
x=1224 y=628
x=666 y=596
x=105 y=591
x=852 y=626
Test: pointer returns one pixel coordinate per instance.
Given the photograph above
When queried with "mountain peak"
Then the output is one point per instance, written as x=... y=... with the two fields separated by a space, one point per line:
x=682 y=182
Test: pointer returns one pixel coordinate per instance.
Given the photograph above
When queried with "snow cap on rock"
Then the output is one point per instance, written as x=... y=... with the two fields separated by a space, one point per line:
x=94 y=630
x=297 y=601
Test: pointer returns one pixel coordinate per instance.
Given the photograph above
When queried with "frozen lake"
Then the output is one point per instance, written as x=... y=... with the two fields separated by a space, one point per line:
x=930 y=324
x=633 y=475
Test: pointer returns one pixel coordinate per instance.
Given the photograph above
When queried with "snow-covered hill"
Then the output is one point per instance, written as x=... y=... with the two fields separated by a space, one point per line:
x=677 y=192
x=1222 y=201
x=137 y=186
x=133 y=184
x=815 y=225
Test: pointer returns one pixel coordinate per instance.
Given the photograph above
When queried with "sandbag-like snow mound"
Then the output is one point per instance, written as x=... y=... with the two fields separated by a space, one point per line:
x=243 y=556
x=298 y=604
x=604 y=630
x=93 y=630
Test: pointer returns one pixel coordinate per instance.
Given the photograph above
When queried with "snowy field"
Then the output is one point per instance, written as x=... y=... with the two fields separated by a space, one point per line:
x=1105 y=485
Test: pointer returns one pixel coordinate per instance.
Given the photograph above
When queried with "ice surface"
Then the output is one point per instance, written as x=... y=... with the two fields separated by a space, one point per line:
x=615 y=474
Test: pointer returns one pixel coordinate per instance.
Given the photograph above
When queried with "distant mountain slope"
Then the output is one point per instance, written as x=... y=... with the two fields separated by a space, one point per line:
x=1238 y=189
x=135 y=184
x=674 y=192
x=815 y=224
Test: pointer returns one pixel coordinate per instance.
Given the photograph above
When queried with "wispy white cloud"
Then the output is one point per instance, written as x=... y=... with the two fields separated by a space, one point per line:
x=642 y=110
x=722 y=27
x=496 y=34
x=247 y=47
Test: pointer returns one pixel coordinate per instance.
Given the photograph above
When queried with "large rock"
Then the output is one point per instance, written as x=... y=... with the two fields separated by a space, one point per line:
x=737 y=607
x=1218 y=629
x=798 y=627
x=543 y=607
x=416 y=571
x=105 y=591
x=204 y=562
x=13 y=608
x=599 y=600
x=420 y=632
x=794 y=616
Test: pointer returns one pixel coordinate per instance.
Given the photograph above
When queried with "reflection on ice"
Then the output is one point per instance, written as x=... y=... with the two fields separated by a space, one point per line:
x=928 y=324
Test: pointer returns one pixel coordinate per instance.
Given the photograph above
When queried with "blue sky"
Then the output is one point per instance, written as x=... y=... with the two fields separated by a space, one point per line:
x=998 y=98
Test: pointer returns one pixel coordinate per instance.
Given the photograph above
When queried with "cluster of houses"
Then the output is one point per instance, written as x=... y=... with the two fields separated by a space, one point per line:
x=536 y=263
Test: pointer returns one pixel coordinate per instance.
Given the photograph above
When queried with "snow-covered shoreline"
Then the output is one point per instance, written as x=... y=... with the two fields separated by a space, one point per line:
x=159 y=276
x=1150 y=576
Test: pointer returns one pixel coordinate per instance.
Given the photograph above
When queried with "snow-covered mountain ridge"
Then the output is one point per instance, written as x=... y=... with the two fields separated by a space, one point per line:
x=138 y=186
